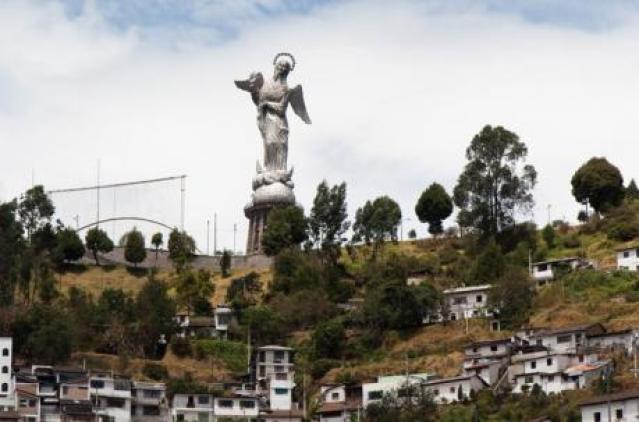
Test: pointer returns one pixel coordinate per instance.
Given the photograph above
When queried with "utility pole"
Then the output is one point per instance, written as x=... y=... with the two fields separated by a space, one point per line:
x=215 y=234
x=182 y=200
x=98 y=199
x=549 y=220
x=207 y=236
x=234 y=236
x=77 y=221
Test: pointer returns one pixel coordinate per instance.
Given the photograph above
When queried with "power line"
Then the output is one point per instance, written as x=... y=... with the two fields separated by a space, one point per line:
x=117 y=185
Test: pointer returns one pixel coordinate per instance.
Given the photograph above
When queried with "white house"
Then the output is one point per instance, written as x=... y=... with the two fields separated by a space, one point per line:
x=238 y=406
x=450 y=390
x=337 y=405
x=487 y=359
x=467 y=302
x=111 y=397
x=149 y=402
x=568 y=339
x=7 y=400
x=614 y=340
x=375 y=391
x=628 y=259
x=274 y=362
x=192 y=408
x=223 y=317
x=623 y=406
x=544 y=271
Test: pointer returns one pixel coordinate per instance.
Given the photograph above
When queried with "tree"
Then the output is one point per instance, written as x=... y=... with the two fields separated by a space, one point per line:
x=35 y=209
x=632 y=192
x=134 y=248
x=11 y=247
x=393 y=305
x=494 y=184
x=511 y=296
x=155 y=312
x=69 y=246
x=434 y=206
x=489 y=265
x=96 y=241
x=598 y=183
x=157 y=241
x=328 y=220
x=181 y=248
x=225 y=263
x=286 y=228
x=548 y=233
x=194 y=289
x=328 y=340
x=243 y=291
x=377 y=221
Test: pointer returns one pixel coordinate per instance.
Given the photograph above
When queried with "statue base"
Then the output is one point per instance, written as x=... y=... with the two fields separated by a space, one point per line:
x=264 y=199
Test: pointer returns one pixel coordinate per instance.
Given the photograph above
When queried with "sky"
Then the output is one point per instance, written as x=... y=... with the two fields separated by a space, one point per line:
x=396 y=91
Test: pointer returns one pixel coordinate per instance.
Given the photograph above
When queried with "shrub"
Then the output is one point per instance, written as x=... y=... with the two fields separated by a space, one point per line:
x=623 y=230
x=571 y=241
x=231 y=353
x=181 y=347
x=155 y=371
x=319 y=367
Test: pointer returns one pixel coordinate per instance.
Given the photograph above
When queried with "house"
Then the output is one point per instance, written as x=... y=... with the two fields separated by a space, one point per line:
x=9 y=416
x=487 y=359
x=467 y=302
x=568 y=339
x=450 y=390
x=223 y=317
x=613 y=340
x=149 y=402
x=339 y=403
x=192 y=407
x=76 y=411
x=111 y=396
x=27 y=400
x=195 y=326
x=274 y=362
x=237 y=406
x=628 y=259
x=292 y=415
x=547 y=270
x=375 y=391
x=622 y=406
x=280 y=395
x=7 y=400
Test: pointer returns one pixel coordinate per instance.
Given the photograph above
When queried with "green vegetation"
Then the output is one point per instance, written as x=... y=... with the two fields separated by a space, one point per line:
x=599 y=183
x=134 y=248
x=233 y=354
x=434 y=206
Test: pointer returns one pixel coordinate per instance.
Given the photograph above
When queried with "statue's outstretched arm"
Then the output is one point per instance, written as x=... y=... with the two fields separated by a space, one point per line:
x=252 y=85
x=296 y=98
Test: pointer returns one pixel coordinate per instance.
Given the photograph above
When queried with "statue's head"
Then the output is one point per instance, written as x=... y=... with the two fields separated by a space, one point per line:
x=283 y=63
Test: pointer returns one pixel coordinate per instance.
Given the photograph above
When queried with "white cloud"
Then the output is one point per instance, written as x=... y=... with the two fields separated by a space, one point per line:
x=395 y=93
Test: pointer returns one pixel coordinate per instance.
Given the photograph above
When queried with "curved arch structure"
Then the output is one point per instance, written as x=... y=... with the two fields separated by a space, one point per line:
x=142 y=219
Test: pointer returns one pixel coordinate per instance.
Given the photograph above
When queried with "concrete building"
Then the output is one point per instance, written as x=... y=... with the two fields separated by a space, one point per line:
x=339 y=403
x=375 y=391
x=450 y=390
x=613 y=340
x=149 y=403
x=7 y=399
x=616 y=407
x=628 y=259
x=192 y=408
x=467 y=302
x=568 y=339
x=274 y=362
x=111 y=397
x=487 y=359
x=545 y=271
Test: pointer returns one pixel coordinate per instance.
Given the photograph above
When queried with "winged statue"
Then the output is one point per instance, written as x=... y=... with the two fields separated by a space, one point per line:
x=272 y=97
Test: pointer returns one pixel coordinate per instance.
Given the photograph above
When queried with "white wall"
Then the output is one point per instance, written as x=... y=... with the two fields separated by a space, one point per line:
x=628 y=260
x=6 y=355
x=630 y=409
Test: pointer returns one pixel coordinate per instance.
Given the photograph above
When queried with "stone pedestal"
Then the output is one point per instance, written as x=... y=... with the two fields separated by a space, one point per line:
x=265 y=197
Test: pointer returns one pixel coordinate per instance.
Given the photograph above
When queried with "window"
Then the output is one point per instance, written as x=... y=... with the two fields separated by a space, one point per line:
x=115 y=402
x=493 y=348
x=97 y=384
x=150 y=411
x=225 y=403
x=626 y=254
x=435 y=392
x=551 y=378
x=474 y=349
x=202 y=399
x=180 y=418
x=278 y=369
x=549 y=361
x=566 y=338
x=5 y=369
x=153 y=394
x=619 y=413
x=539 y=342
x=459 y=300
x=528 y=379
x=334 y=396
x=65 y=390
x=533 y=365
x=247 y=404
x=279 y=355
x=262 y=371
x=542 y=267
x=281 y=377
x=479 y=298
x=597 y=416
x=5 y=352
x=281 y=391
x=451 y=390
x=262 y=357
x=5 y=387
x=375 y=395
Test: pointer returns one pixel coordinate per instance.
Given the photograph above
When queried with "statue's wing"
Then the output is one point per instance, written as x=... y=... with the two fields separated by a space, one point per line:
x=296 y=98
x=252 y=85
